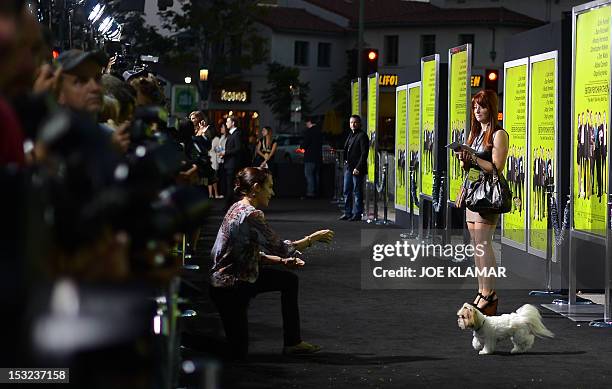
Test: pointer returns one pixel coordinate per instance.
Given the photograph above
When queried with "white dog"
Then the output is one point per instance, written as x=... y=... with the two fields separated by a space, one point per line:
x=519 y=326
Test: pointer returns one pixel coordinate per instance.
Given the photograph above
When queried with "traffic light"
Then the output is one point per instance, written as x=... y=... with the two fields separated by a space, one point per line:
x=370 y=61
x=55 y=53
x=492 y=80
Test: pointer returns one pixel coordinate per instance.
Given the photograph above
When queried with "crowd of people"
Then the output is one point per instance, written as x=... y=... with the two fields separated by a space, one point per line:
x=106 y=188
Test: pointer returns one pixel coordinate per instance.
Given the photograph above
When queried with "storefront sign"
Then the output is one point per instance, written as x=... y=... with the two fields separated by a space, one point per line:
x=232 y=92
x=388 y=80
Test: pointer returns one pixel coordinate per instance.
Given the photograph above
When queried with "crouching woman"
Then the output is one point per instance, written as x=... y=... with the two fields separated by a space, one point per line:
x=244 y=242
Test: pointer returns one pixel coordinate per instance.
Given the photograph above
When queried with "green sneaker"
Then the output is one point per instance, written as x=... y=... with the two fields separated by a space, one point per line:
x=301 y=348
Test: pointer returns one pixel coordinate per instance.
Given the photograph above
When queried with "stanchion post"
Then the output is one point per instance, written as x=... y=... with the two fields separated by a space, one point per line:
x=608 y=292
x=421 y=216
x=607 y=319
x=375 y=184
x=411 y=234
x=367 y=198
x=183 y=255
x=385 y=191
x=549 y=246
x=448 y=236
x=571 y=269
x=339 y=179
x=336 y=164
x=549 y=234
x=441 y=201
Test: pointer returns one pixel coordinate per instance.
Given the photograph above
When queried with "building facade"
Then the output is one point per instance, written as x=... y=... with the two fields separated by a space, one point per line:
x=315 y=36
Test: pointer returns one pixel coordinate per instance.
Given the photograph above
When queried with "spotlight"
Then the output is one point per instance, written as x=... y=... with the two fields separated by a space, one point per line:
x=105 y=25
x=114 y=33
x=96 y=13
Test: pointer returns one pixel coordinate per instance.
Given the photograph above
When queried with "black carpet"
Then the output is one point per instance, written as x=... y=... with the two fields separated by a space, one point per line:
x=381 y=338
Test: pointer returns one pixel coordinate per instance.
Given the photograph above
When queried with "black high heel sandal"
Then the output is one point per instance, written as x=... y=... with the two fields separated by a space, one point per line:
x=480 y=296
x=490 y=308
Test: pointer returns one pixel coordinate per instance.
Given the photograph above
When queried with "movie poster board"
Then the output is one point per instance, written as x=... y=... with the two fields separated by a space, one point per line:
x=515 y=108
x=372 y=124
x=590 y=118
x=414 y=143
x=543 y=140
x=459 y=99
x=401 y=151
x=356 y=96
x=429 y=121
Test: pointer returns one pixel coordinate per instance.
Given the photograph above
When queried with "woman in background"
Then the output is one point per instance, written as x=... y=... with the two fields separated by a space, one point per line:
x=218 y=147
x=266 y=149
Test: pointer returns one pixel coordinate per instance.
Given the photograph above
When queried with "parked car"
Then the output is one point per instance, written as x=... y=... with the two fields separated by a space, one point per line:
x=287 y=149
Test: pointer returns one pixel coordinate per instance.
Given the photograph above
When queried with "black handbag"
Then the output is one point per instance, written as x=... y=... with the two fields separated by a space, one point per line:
x=490 y=193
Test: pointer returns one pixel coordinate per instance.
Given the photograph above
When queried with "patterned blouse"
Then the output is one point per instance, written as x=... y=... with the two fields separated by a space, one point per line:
x=243 y=234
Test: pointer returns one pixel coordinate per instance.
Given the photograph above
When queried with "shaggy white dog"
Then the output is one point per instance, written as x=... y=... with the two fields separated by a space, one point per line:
x=519 y=326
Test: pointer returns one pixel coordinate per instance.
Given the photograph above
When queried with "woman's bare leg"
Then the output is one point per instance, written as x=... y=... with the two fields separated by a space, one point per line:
x=471 y=229
x=484 y=238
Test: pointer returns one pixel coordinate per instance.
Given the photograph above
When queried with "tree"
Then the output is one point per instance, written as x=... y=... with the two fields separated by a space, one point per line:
x=278 y=96
x=219 y=34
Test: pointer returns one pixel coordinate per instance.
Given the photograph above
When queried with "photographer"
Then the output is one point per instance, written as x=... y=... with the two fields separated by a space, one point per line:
x=80 y=88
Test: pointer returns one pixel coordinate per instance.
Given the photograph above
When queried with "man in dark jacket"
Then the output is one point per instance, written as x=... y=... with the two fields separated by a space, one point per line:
x=313 y=157
x=355 y=169
x=232 y=159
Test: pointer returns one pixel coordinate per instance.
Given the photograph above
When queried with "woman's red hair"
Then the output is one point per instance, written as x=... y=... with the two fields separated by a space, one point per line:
x=486 y=99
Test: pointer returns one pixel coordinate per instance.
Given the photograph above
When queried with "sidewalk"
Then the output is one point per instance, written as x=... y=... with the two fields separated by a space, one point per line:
x=386 y=338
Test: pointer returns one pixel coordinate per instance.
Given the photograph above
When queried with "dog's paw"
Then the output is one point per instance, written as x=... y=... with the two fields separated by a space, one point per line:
x=485 y=352
x=516 y=350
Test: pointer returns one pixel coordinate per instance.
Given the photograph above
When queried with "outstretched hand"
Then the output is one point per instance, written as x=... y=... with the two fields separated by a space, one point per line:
x=324 y=236
x=293 y=262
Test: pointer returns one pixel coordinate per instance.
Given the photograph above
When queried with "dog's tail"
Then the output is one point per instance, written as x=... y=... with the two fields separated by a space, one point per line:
x=531 y=316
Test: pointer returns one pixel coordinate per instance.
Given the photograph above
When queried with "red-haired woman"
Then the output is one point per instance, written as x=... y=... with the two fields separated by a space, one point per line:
x=491 y=143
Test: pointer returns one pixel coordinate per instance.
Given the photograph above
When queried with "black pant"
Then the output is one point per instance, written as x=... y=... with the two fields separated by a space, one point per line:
x=221 y=176
x=230 y=176
x=232 y=304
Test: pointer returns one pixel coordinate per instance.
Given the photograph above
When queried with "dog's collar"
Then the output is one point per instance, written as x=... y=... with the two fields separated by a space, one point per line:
x=481 y=325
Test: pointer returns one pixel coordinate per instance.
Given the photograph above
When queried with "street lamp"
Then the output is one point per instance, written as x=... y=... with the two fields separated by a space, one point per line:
x=203 y=74
x=187 y=80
